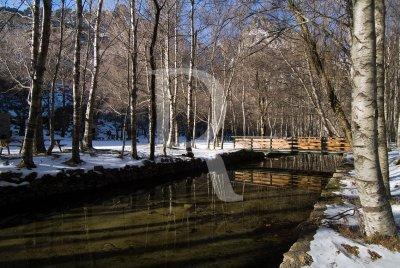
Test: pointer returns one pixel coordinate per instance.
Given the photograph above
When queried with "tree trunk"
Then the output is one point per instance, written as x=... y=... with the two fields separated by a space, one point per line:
x=398 y=92
x=319 y=69
x=134 y=82
x=39 y=56
x=40 y=148
x=189 y=129
x=194 y=123
x=380 y=84
x=88 y=134
x=243 y=112
x=376 y=210
x=65 y=122
x=124 y=132
x=153 y=108
x=54 y=81
x=174 y=116
x=170 y=136
x=172 y=93
x=209 y=124
x=75 y=159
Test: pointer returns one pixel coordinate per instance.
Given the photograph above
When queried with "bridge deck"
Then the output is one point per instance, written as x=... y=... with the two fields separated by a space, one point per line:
x=292 y=144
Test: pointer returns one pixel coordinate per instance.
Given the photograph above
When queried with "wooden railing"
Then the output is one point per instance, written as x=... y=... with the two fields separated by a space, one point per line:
x=292 y=144
x=267 y=178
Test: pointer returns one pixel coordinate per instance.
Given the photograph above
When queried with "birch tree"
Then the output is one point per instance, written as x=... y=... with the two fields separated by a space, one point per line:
x=75 y=159
x=380 y=83
x=134 y=76
x=376 y=210
x=153 y=66
x=189 y=127
x=172 y=92
x=54 y=81
x=38 y=60
x=88 y=135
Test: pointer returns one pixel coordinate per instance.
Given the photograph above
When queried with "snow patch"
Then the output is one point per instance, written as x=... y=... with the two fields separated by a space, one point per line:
x=327 y=250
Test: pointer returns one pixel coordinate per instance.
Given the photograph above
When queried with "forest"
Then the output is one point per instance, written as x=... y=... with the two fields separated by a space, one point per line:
x=158 y=80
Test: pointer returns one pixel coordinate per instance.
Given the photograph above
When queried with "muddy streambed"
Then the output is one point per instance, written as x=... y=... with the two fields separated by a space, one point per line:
x=186 y=222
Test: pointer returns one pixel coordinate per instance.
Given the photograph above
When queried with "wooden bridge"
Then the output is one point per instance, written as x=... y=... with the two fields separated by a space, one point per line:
x=291 y=144
x=281 y=179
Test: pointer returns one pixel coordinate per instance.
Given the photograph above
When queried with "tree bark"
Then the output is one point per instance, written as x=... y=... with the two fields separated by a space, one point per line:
x=189 y=129
x=380 y=83
x=376 y=210
x=54 y=81
x=172 y=92
x=88 y=134
x=194 y=123
x=40 y=148
x=153 y=66
x=134 y=82
x=398 y=92
x=39 y=56
x=75 y=159
x=243 y=111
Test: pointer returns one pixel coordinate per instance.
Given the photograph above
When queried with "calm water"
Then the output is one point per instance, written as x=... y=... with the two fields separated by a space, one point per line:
x=182 y=223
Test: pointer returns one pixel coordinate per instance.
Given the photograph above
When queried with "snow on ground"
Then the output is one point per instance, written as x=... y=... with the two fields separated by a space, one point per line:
x=107 y=156
x=328 y=249
x=331 y=249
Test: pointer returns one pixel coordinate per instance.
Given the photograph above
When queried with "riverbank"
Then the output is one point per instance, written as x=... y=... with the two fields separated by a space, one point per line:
x=32 y=187
x=332 y=236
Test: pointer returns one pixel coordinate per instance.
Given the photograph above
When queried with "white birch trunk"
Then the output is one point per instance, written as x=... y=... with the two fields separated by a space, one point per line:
x=380 y=83
x=376 y=210
x=88 y=135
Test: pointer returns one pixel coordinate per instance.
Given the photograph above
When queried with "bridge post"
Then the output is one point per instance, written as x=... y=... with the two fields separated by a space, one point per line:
x=324 y=144
x=270 y=143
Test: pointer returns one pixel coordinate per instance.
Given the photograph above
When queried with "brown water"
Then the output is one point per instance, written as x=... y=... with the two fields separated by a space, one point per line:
x=182 y=223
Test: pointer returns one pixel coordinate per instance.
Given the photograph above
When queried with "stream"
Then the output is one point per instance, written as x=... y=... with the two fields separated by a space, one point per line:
x=180 y=223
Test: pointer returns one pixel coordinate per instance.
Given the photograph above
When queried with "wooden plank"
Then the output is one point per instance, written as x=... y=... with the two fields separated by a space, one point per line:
x=301 y=143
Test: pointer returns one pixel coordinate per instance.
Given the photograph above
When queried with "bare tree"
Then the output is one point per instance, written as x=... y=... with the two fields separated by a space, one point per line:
x=134 y=77
x=39 y=56
x=76 y=159
x=377 y=213
x=319 y=69
x=189 y=128
x=172 y=140
x=153 y=66
x=88 y=135
x=54 y=81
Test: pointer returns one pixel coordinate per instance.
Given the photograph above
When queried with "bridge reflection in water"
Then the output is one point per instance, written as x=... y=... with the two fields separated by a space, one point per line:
x=304 y=171
x=181 y=223
x=265 y=178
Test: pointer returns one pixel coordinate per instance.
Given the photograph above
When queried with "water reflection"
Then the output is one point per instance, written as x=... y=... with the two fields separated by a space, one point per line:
x=271 y=179
x=303 y=162
x=182 y=223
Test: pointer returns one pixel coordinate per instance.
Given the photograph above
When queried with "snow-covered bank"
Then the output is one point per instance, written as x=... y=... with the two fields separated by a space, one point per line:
x=107 y=156
x=331 y=248
x=103 y=171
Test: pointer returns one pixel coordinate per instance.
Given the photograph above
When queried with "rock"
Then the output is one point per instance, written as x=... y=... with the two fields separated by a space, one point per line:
x=10 y=175
x=31 y=176
x=293 y=259
x=98 y=168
